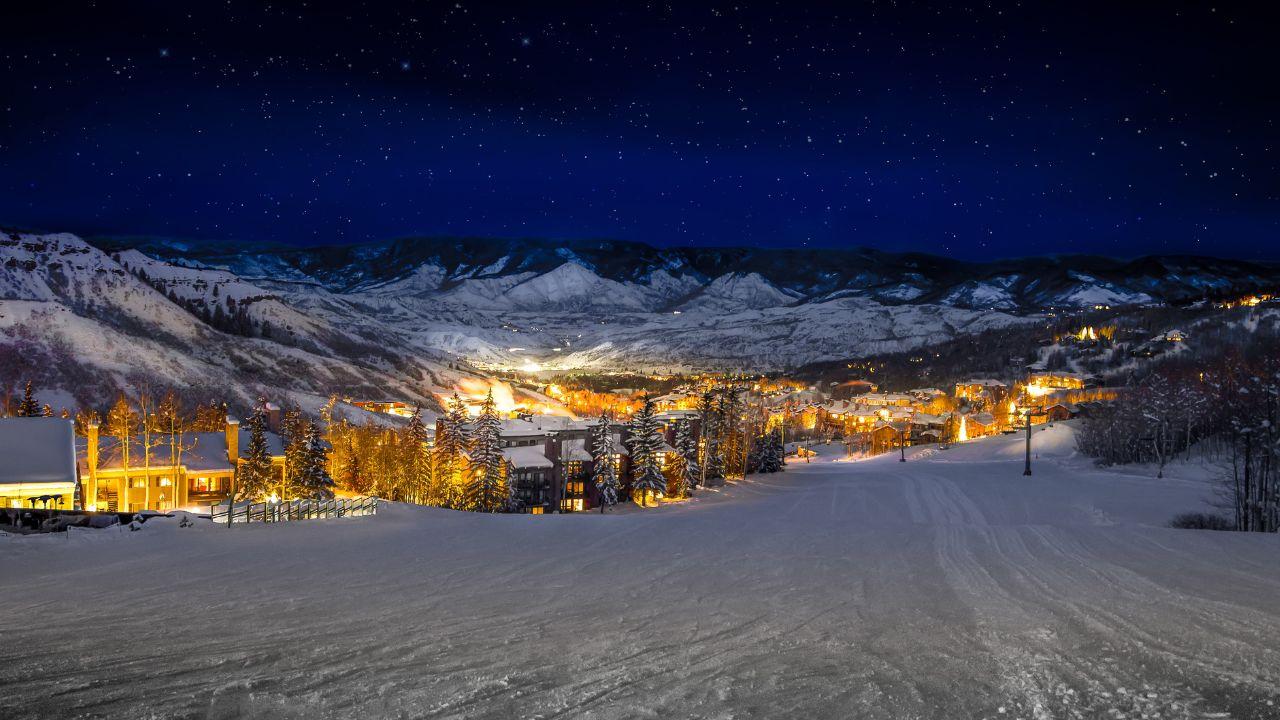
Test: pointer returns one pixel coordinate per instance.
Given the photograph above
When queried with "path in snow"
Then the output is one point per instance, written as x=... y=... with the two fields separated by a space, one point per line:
x=949 y=586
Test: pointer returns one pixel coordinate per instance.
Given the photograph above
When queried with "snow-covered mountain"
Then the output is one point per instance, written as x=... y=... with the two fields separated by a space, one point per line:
x=403 y=318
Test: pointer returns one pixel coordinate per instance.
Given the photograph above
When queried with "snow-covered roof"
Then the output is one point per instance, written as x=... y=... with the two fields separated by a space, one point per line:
x=37 y=452
x=540 y=425
x=984 y=382
x=528 y=456
x=576 y=449
x=201 y=451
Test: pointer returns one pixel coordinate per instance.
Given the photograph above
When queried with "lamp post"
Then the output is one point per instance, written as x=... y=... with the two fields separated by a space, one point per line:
x=902 y=442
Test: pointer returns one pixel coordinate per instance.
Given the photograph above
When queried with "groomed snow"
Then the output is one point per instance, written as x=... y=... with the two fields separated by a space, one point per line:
x=949 y=586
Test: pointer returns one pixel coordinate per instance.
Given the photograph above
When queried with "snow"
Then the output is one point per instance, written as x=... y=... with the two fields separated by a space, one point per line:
x=949 y=586
x=527 y=456
x=36 y=451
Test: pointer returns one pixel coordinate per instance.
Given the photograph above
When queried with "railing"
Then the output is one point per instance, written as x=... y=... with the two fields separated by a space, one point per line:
x=295 y=510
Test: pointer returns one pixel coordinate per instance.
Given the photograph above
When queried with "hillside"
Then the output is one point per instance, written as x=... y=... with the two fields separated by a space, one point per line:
x=406 y=318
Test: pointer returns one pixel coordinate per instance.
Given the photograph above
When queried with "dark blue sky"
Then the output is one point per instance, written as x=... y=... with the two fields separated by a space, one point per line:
x=995 y=130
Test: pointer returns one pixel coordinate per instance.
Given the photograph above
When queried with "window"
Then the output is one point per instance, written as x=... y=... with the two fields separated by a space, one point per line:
x=165 y=482
x=137 y=482
x=206 y=484
x=537 y=510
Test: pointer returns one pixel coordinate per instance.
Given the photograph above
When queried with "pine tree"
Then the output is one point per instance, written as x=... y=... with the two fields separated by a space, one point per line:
x=293 y=433
x=646 y=454
x=29 y=407
x=487 y=489
x=770 y=459
x=313 y=479
x=603 y=473
x=254 y=474
x=687 y=469
x=712 y=465
x=451 y=443
x=417 y=459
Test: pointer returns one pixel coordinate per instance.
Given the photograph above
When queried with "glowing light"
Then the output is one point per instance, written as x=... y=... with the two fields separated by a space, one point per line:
x=963 y=434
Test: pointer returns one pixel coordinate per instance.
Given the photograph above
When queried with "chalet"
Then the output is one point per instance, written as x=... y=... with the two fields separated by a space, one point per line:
x=887 y=436
x=884 y=400
x=190 y=470
x=1058 y=412
x=980 y=425
x=39 y=467
x=927 y=428
x=1040 y=383
x=980 y=389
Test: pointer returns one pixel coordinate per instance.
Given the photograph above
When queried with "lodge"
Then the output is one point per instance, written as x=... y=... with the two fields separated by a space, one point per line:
x=183 y=471
x=550 y=460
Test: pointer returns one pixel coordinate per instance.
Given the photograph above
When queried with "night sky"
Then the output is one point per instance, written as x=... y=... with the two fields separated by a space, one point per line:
x=983 y=131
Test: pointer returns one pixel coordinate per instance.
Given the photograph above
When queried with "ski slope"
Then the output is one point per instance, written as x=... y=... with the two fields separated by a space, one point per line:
x=949 y=586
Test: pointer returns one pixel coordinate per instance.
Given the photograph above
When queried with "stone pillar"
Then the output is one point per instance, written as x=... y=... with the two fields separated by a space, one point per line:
x=233 y=441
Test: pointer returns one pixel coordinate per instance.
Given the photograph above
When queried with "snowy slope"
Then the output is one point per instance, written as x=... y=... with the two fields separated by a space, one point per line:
x=949 y=586
x=83 y=327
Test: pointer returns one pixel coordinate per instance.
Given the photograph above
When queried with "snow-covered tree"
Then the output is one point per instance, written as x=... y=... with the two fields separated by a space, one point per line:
x=293 y=435
x=603 y=472
x=688 y=471
x=771 y=453
x=254 y=475
x=29 y=407
x=646 y=454
x=487 y=488
x=313 y=479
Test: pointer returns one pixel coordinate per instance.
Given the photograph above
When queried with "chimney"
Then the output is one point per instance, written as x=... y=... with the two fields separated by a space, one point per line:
x=90 y=499
x=233 y=441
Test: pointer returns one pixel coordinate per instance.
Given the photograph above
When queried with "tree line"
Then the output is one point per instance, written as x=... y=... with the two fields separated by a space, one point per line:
x=1222 y=400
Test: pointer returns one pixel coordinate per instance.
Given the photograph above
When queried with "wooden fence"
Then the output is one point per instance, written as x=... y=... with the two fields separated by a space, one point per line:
x=296 y=510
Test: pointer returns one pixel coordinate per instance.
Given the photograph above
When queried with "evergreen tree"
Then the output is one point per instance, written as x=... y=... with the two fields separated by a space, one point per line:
x=293 y=433
x=313 y=479
x=646 y=454
x=687 y=469
x=29 y=407
x=417 y=459
x=771 y=452
x=487 y=491
x=451 y=443
x=711 y=465
x=603 y=473
x=689 y=451
x=254 y=475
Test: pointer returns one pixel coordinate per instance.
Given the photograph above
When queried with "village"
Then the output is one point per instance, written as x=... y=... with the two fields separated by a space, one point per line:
x=539 y=456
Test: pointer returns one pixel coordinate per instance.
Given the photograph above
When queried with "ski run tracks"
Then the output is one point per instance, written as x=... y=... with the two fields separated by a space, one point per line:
x=949 y=586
